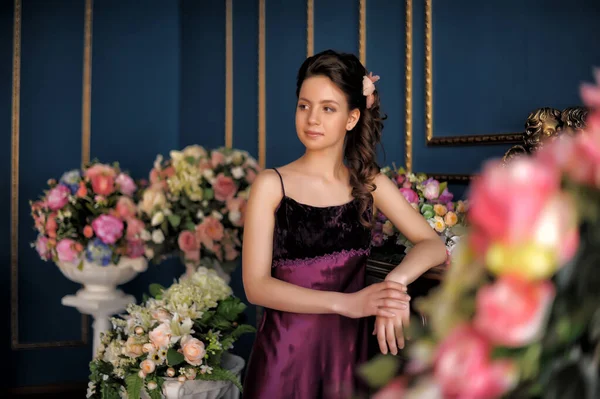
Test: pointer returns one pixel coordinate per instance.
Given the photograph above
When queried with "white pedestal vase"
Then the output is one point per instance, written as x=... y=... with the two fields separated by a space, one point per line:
x=198 y=389
x=99 y=296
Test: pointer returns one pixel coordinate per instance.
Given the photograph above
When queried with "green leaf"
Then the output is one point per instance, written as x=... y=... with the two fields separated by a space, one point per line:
x=175 y=220
x=230 y=308
x=134 y=386
x=379 y=371
x=220 y=374
x=155 y=393
x=174 y=358
x=156 y=289
x=80 y=265
x=209 y=194
x=443 y=186
x=220 y=323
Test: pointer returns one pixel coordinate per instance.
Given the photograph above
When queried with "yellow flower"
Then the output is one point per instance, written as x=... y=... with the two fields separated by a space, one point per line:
x=450 y=219
x=530 y=261
x=440 y=209
x=388 y=228
x=438 y=224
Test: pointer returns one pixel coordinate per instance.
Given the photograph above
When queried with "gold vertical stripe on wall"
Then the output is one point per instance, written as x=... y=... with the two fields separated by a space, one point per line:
x=86 y=111
x=262 y=125
x=228 y=73
x=14 y=194
x=362 y=41
x=428 y=72
x=14 y=176
x=408 y=126
x=310 y=27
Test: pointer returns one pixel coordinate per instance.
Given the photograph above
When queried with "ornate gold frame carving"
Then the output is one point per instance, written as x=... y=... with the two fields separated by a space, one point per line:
x=408 y=72
x=502 y=138
x=15 y=136
x=228 y=73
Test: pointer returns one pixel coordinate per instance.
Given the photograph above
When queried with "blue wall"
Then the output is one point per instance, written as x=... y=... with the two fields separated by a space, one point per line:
x=158 y=83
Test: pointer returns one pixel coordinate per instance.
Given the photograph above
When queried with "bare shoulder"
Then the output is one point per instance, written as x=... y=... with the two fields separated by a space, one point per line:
x=383 y=184
x=266 y=188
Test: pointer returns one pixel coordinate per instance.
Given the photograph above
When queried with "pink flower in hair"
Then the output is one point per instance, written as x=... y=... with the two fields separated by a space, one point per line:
x=369 y=88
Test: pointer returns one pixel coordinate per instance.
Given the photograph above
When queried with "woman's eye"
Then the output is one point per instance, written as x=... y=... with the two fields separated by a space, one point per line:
x=302 y=106
x=329 y=109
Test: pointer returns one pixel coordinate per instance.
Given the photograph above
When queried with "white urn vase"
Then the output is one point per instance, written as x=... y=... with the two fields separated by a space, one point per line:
x=99 y=296
x=199 y=389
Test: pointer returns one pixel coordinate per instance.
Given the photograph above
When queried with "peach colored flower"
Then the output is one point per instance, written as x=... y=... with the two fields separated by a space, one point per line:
x=147 y=366
x=161 y=315
x=250 y=175
x=88 y=231
x=161 y=336
x=209 y=231
x=450 y=219
x=193 y=350
x=51 y=225
x=224 y=187
x=187 y=241
x=100 y=169
x=82 y=190
x=230 y=252
x=134 y=228
x=133 y=349
x=440 y=209
x=512 y=312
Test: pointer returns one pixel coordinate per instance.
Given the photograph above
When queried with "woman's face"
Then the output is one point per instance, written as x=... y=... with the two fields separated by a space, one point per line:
x=322 y=114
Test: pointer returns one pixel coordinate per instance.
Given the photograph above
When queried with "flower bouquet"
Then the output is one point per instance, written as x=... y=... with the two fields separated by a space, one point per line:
x=518 y=313
x=430 y=198
x=196 y=203
x=179 y=334
x=89 y=217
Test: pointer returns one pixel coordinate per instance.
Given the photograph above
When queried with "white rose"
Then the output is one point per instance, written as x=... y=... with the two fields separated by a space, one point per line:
x=195 y=151
x=157 y=236
x=208 y=174
x=153 y=198
x=237 y=172
x=152 y=385
x=217 y=215
x=149 y=252
x=145 y=235
x=157 y=219
x=235 y=216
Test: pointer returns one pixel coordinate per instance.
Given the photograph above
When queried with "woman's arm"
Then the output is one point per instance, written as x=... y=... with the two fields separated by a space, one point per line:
x=264 y=290
x=428 y=251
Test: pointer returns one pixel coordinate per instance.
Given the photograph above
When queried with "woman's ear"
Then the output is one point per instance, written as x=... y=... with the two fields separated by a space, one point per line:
x=353 y=118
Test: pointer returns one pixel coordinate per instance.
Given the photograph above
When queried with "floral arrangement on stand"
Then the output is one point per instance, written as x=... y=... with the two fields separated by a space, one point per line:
x=89 y=216
x=180 y=333
x=518 y=313
x=432 y=199
x=196 y=203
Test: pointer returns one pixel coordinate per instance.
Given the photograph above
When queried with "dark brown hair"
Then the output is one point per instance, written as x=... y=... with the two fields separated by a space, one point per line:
x=347 y=72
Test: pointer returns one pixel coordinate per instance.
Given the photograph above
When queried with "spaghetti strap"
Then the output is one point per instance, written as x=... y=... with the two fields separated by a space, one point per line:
x=281 y=180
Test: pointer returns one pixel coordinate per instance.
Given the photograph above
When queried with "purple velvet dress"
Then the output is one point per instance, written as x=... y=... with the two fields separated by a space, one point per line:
x=310 y=356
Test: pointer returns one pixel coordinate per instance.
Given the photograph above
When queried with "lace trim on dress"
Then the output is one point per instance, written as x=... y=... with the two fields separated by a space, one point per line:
x=314 y=259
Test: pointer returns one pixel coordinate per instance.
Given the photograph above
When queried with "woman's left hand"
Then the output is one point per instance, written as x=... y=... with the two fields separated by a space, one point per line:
x=391 y=331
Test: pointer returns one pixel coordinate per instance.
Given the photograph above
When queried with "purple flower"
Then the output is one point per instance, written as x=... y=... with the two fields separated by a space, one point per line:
x=377 y=238
x=98 y=252
x=108 y=228
x=410 y=195
x=446 y=196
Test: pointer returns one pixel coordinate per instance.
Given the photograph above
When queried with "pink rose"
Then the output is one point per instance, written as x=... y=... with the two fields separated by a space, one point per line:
x=193 y=350
x=237 y=210
x=134 y=228
x=512 y=312
x=217 y=158
x=58 y=197
x=162 y=315
x=230 y=252
x=41 y=246
x=209 y=231
x=506 y=201
x=395 y=389
x=224 y=187
x=161 y=336
x=103 y=185
x=431 y=190
x=135 y=249
x=250 y=176
x=187 y=241
x=100 y=169
x=68 y=250
x=126 y=184
x=464 y=370
x=410 y=195
x=108 y=228
x=125 y=208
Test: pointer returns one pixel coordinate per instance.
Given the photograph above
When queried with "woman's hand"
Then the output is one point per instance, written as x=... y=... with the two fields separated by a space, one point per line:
x=391 y=331
x=385 y=299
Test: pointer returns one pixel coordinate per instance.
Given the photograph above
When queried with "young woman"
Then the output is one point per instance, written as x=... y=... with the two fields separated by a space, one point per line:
x=307 y=237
